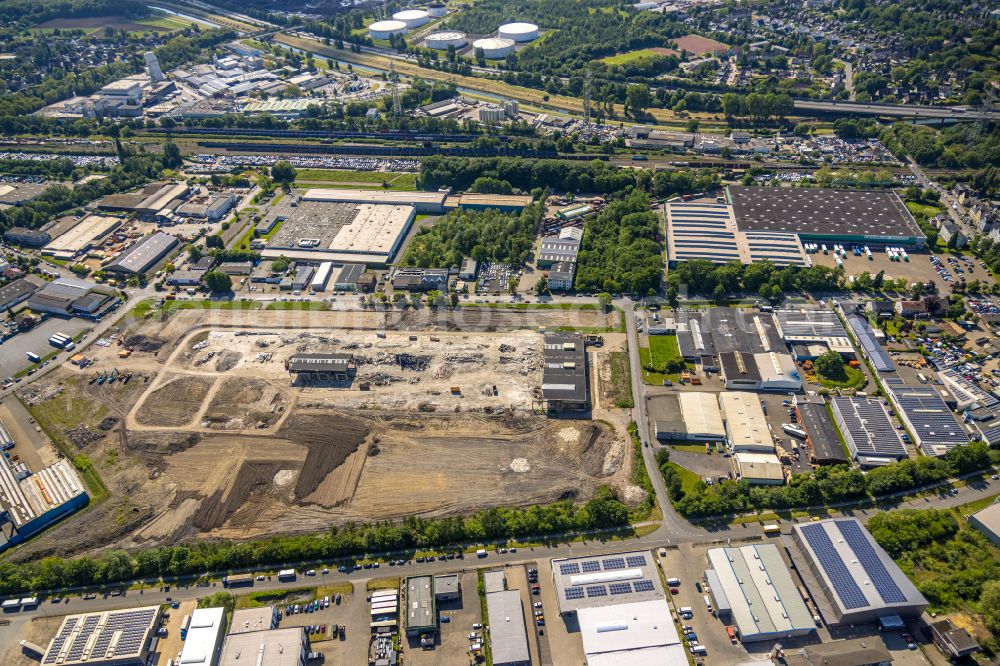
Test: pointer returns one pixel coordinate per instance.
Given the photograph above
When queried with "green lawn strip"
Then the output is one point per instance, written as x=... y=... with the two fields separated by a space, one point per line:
x=689 y=480
x=640 y=477
x=487 y=648
x=621 y=380
x=977 y=505
x=297 y=305
x=623 y=58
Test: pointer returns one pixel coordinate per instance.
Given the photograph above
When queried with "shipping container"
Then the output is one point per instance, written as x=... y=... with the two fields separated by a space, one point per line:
x=286 y=574
x=33 y=357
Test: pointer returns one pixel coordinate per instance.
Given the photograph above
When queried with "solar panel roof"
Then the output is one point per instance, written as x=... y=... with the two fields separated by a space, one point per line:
x=873 y=350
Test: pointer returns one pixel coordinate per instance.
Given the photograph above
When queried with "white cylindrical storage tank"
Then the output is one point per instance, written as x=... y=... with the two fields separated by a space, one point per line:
x=494 y=48
x=386 y=29
x=436 y=9
x=519 y=32
x=442 y=40
x=413 y=18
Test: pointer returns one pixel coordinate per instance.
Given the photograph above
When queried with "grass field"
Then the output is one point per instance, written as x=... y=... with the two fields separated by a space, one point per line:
x=146 y=307
x=296 y=305
x=662 y=350
x=623 y=58
x=855 y=379
x=922 y=210
x=156 y=22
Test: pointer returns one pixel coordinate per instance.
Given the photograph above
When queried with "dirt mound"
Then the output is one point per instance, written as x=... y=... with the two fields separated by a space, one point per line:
x=161 y=443
x=107 y=423
x=331 y=438
x=227 y=361
x=144 y=343
x=175 y=403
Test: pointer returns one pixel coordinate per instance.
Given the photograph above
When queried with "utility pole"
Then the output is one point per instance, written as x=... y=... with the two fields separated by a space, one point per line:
x=984 y=114
x=397 y=104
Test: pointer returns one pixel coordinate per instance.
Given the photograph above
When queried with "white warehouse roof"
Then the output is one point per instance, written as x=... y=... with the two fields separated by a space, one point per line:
x=638 y=634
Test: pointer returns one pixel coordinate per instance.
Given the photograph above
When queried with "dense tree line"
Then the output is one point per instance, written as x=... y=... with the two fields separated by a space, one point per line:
x=721 y=281
x=621 y=249
x=953 y=565
x=561 y=176
x=948 y=148
x=486 y=235
x=134 y=171
x=115 y=566
x=826 y=485
x=758 y=107
x=27 y=14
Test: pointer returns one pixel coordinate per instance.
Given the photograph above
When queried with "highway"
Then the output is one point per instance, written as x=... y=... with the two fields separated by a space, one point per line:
x=909 y=111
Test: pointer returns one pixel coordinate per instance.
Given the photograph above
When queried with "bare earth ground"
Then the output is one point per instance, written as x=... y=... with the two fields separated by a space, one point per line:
x=212 y=440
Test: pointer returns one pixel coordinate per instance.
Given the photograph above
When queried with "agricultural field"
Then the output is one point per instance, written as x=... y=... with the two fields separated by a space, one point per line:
x=213 y=438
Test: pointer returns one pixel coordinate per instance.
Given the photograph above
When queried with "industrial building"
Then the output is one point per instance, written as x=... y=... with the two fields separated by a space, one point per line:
x=869 y=344
x=565 y=373
x=709 y=332
x=421 y=611
x=706 y=230
x=72 y=297
x=753 y=588
x=364 y=233
x=987 y=521
x=866 y=651
x=561 y=276
x=26 y=237
x=766 y=371
x=870 y=436
x=508 y=634
x=31 y=502
x=107 y=638
x=746 y=425
x=817 y=326
x=82 y=238
x=618 y=602
x=702 y=419
x=321 y=367
x=826 y=215
x=447 y=588
x=420 y=279
x=18 y=291
x=149 y=200
x=559 y=248
x=272 y=647
x=347 y=278
x=851 y=578
x=821 y=433
x=505 y=203
x=923 y=411
x=423 y=202
x=963 y=393
x=759 y=469
x=246 y=620
x=204 y=637
x=144 y=255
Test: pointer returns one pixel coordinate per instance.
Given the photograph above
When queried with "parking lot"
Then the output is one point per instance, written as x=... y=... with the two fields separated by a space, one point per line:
x=352 y=613
x=562 y=633
x=13 y=349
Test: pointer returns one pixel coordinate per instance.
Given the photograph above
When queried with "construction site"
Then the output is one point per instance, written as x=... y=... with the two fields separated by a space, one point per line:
x=211 y=437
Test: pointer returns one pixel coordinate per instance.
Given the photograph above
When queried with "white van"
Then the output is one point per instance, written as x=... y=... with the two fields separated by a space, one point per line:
x=708 y=603
x=699 y=650
x=673 y=582
x=481 y=552
x=685 y=610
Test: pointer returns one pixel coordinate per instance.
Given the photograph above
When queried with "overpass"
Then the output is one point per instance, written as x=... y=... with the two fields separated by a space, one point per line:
x=911 y=111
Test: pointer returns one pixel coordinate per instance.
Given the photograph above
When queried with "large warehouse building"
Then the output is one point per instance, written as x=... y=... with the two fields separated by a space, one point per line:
x=867 y=217
x=144 y=255
x=337 y=231
x=746 y=425
x=754 y=588
x=866 y=428
x=935 y=428
x=82 y=237
x=108 y=638
x=851 y=578
x=269 y=647
x=31 y=502
x=204 y=637
x=424 y=202
x=620 y=606
x=508 y=632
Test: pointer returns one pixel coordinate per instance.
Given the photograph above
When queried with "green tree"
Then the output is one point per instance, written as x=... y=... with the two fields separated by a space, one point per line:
x=172 y=156
x=831 y=366
x=281 y=264
x=218 y=282
x=637 y=99
x=989 y=605
x=604 y=300
x=283 y=172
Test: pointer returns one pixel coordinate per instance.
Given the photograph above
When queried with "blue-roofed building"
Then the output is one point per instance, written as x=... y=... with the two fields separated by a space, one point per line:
x=871 y=349
x=851 y=578
x=933 y=425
